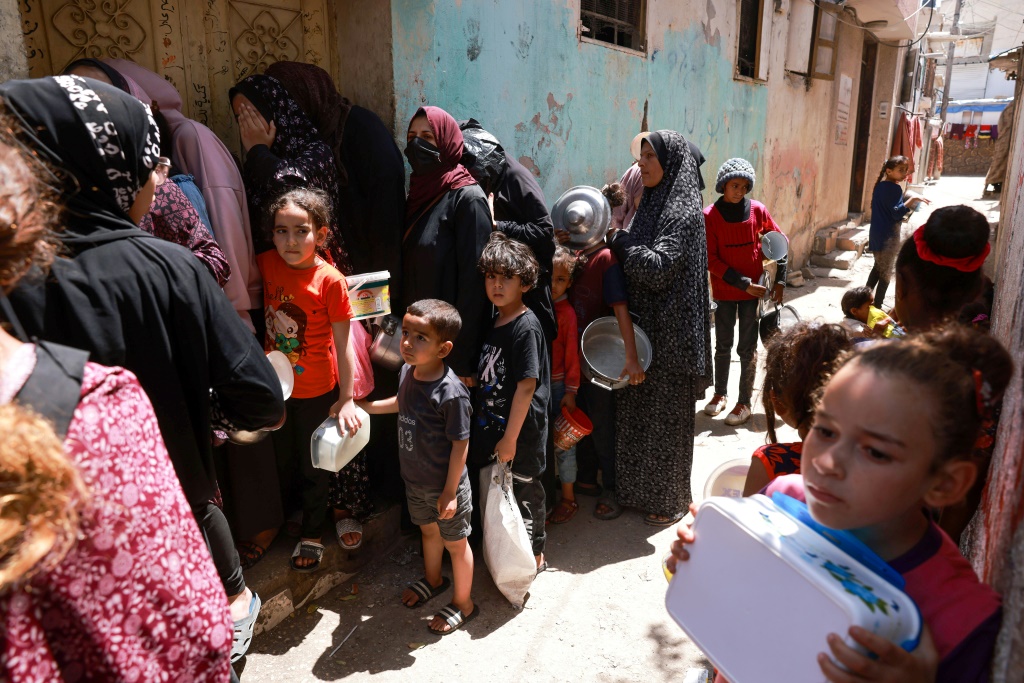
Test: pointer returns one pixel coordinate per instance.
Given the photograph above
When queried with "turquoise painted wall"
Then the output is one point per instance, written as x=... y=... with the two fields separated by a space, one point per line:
x=568 y=109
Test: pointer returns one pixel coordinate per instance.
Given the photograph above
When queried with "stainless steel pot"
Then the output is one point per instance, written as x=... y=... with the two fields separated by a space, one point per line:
x=603 y=353
x=385 y=350
x=584 y=213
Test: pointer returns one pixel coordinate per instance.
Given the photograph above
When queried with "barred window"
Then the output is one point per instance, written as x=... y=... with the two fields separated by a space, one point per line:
x=619 y=22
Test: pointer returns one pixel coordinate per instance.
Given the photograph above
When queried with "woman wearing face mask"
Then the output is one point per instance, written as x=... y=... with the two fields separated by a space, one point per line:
x=447 y=225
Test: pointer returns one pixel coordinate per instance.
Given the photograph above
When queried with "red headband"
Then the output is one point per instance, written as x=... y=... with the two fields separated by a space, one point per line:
x=967 y=264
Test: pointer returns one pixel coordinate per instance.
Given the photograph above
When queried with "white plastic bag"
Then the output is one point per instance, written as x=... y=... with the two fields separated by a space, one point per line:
x=507 y=548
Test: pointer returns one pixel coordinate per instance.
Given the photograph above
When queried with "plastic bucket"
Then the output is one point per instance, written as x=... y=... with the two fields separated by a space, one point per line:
x=570 y=428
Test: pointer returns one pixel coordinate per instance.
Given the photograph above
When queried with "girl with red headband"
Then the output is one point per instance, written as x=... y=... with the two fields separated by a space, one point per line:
x=938 y=270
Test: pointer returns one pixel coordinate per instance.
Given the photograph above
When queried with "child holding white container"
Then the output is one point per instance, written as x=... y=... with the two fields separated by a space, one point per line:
x=308 y=313
x=893 y=436
x=565 y=373
x=434 y=414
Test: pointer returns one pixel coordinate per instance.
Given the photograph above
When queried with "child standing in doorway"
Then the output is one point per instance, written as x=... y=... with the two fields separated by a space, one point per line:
x=565 y=373
x=888 y=211
x=734 y=225
x=433 y=440
x=511 y=422
x=308 y=314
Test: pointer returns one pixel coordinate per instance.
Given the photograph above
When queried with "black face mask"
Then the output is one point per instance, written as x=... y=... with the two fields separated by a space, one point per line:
x=422 y=156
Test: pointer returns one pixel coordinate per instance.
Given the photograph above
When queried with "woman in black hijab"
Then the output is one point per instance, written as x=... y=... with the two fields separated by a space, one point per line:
x=136 y=301
x=664 y=255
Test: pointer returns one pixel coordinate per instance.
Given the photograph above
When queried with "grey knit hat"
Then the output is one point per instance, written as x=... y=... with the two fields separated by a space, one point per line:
x=734 y=168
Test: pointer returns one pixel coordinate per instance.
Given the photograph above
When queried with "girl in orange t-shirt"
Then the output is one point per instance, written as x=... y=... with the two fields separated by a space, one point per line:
x=308 y=312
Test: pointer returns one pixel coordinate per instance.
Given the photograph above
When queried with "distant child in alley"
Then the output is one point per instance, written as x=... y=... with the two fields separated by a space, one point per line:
x=735 y=224
x=889 y=208
x=434 y=414
x=862 y=320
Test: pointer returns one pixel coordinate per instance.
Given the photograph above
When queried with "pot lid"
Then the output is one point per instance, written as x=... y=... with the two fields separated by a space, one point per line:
x=584 y=213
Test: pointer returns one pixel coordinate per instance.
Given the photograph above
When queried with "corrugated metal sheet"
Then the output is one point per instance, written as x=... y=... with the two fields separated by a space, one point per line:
x=968 y=81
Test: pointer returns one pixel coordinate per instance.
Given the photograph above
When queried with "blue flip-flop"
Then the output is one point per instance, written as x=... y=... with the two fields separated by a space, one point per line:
x=244 y=628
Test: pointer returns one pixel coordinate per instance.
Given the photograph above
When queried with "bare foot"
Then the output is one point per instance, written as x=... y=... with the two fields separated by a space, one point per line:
x=240 y=605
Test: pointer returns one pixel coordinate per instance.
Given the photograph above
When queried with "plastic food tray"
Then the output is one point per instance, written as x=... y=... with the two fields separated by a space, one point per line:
x=763 y=588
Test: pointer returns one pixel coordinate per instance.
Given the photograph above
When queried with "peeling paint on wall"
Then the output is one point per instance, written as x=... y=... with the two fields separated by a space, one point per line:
x=571 y=108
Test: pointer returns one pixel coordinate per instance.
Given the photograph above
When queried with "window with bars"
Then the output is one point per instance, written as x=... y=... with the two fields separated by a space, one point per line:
x=618 y=22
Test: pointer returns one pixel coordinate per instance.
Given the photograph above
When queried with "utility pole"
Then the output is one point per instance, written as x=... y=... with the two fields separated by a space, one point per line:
x=953 y=32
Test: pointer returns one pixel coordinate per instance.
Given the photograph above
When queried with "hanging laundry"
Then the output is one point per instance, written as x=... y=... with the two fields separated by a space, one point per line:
x=956 y=131
x=995 y=132
x=985 y=132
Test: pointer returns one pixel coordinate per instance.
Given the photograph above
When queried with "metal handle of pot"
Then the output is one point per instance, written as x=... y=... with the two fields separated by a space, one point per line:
x=602 y=383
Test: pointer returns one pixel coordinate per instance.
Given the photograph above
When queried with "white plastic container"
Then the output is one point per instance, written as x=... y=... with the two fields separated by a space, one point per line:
x=332 y=448
x=762 y=590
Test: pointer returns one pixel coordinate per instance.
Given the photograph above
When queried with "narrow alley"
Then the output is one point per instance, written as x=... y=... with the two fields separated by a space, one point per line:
x=596 y=615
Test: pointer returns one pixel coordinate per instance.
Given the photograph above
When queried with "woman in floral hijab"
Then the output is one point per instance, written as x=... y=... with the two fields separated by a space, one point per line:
x=283 y=150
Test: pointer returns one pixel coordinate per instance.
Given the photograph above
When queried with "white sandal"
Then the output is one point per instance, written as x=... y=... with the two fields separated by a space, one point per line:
x=348 y=525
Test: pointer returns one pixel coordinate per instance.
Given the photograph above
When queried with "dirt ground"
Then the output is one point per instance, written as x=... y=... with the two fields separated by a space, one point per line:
x=596 y=615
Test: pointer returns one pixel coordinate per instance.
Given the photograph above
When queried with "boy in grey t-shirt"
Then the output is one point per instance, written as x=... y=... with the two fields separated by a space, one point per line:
x=434 y=413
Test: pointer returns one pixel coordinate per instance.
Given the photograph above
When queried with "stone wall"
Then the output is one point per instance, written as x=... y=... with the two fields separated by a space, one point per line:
x=997 y=547
x=973 y=161
x=13 y=63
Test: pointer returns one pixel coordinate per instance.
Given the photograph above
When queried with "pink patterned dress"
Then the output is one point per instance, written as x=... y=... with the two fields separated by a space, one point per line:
x=137 y=598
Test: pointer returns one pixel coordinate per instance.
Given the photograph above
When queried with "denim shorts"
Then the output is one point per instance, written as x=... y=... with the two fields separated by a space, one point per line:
x=423 y=509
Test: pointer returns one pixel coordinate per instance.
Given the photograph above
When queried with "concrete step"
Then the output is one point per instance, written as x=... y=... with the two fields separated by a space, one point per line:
x=284 y=590
x=839 y=260
x=852 y=239
x=826 y=239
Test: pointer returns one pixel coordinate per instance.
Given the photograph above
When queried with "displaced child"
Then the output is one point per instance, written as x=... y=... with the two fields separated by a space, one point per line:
x=862 y=320
x=565 y=373
x=798 y=363
x=893 y=436
x=511 y=421
x=434 y=415
x=308 y=313
x=599 y=291
x=888 y=211
x=735 y=224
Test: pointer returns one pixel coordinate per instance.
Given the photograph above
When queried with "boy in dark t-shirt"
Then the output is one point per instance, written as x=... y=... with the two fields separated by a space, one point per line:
x=434 y=413
x=514 y=375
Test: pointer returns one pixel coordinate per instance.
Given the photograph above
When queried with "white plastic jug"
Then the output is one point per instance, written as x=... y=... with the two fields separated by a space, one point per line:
x=332 y=448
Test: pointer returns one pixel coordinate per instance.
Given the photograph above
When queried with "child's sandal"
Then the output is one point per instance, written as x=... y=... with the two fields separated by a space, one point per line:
x=309 y=550
x=564 y=511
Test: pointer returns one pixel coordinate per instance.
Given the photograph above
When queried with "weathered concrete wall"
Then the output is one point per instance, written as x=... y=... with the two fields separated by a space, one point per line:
x=13 y=63
x=569 y=108
x=998 y=549
x=362 y=55
x=960 y=160
x=808 y=167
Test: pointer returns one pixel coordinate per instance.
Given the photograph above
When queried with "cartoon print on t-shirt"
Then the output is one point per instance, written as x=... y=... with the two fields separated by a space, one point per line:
x=286 y=328
x=492 y=413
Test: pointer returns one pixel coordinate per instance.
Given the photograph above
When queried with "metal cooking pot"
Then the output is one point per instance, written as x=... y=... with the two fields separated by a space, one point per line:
x=781 y=319
x=603 y=353
x=386 y=350
x=584 y=213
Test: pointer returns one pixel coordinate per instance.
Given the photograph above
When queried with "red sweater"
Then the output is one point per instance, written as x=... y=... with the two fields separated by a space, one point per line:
x=736 y=246
x=565 y=351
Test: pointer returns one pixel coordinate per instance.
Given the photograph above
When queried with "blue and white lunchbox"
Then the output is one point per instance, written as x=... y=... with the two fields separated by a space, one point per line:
x=765 y=584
